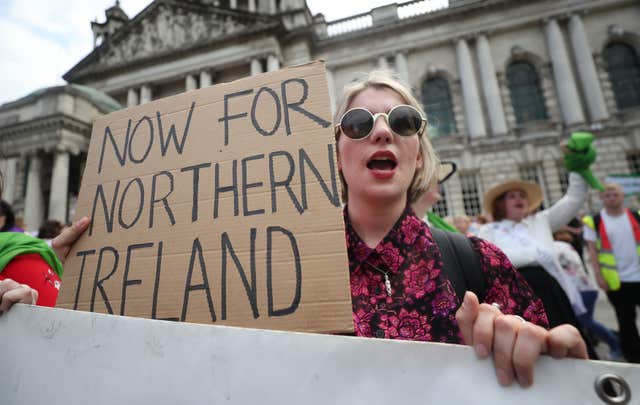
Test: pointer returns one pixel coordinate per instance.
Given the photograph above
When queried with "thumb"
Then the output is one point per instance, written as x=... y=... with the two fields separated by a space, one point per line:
x=466 y=316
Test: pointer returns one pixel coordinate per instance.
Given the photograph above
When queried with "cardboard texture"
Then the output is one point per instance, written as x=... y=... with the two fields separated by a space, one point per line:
x=217 y=205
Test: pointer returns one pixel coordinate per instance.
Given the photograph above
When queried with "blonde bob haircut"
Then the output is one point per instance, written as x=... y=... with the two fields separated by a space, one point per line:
x=378 y=79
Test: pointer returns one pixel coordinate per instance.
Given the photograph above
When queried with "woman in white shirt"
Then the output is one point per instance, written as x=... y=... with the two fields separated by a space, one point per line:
x=526 y=237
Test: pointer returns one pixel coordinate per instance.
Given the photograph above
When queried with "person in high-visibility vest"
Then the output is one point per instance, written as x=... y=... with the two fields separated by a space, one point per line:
x=613 y=240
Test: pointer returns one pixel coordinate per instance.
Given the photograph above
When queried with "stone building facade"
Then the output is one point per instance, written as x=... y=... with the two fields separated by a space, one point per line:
x=503 y=81
x=44 y=137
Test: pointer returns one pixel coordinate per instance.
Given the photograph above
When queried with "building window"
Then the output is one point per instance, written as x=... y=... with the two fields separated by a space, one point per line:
x=440 y=207
x=471 y=193
x=243 y=4
x=535 y=173
x=563 y=176
x=436 y=99
x=624 y=73
x=633 y=159
x=525 y=91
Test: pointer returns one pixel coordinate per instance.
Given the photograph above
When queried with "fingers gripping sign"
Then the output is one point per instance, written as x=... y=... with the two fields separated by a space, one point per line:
x=515 y=343
x=63 y=242
x=12 y=292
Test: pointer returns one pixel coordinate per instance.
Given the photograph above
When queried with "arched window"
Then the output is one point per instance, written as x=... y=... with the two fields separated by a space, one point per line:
x=436 y=99
x=624 y=73
x=526 y=95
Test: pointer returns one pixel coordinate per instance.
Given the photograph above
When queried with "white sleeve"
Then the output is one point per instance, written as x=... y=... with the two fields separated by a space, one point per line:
x=560 y=213
x=485 y=232
x=589 y=234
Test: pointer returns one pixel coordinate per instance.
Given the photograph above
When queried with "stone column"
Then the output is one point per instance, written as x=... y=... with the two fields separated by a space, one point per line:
x=34 y=204
x=273 y=63
x=252 y=6
x=382 y=63
x=10 y=174
x=256 y=66
x=132 y=97
x=233 y=4
x=272 y=7
x=145 y=94
x=205 y=79
x=190 y=83
x=587 y=70
x=472 y=107
x=490 y=87
x=402 y=67
x=565 y=82
x=59 y=187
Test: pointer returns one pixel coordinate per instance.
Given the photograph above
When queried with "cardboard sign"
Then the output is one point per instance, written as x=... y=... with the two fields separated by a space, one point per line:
x=219 y=205
x=56 y=356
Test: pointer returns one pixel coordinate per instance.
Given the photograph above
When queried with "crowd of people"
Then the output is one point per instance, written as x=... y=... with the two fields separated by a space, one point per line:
x=534 y=297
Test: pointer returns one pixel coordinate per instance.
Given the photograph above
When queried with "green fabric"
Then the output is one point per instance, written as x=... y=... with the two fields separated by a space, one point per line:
x=580 y=156
x=436 y=221
x=13 y=244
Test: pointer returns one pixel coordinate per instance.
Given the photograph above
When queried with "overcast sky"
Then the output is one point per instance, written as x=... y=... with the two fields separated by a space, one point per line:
x=43 y=39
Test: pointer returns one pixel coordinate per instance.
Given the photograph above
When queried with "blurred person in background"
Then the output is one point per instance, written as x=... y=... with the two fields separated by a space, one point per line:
x=49 y=230
x=8 y=218
x=29 y=269
x=613 y=240
x=462 y=224
x=575 y=270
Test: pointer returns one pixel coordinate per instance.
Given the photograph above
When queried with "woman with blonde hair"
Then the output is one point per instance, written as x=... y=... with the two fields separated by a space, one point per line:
x=398 y=287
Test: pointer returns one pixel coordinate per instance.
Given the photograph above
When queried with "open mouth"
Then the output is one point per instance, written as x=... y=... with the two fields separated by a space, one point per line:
x=382 y=161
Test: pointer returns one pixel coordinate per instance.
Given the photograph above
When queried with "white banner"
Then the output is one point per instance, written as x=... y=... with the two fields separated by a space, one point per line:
x=56 y=356
x=630 y=182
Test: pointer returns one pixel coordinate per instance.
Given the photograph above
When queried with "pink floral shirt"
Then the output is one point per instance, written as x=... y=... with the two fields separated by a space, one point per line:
x=423 y=303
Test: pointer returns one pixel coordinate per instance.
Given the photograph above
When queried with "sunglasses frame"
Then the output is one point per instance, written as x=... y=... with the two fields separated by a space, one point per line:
x=375 y=116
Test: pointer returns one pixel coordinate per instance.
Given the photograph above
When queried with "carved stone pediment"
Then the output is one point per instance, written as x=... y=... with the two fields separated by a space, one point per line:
x=169 y=29
x=164 y=28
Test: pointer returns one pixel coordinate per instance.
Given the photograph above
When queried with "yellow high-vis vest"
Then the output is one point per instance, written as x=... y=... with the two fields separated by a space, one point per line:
x=607 y=260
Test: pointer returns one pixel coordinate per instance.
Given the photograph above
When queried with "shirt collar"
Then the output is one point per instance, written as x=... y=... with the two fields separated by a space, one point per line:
x=407 y=227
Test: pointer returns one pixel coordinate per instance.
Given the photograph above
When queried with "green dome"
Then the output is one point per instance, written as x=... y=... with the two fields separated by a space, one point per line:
x=102 y=100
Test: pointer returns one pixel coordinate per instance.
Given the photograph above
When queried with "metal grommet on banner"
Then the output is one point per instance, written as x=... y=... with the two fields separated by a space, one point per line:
x=612 y=389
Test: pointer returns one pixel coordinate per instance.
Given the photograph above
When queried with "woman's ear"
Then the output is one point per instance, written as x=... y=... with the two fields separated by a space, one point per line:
x=419 y=160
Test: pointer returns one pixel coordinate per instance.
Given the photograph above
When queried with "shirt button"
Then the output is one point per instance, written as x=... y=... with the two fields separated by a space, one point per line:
x=379 y=333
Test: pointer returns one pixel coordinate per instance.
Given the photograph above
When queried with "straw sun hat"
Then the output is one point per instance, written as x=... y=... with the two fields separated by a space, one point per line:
x=531 y=189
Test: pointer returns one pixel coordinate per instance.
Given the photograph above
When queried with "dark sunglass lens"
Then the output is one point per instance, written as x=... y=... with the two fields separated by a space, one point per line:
x=405 y=121
x=357 y=123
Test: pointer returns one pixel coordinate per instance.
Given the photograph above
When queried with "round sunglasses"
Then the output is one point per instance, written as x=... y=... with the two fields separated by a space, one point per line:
x=404 y=120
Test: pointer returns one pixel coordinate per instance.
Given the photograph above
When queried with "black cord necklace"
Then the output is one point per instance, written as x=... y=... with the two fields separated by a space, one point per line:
x=387 y=282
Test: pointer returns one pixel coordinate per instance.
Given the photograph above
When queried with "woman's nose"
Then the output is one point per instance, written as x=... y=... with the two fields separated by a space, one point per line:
x=381 y=131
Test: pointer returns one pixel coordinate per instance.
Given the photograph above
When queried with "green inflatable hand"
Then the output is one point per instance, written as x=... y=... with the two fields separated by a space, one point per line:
x=580 y=155
x=436 y=221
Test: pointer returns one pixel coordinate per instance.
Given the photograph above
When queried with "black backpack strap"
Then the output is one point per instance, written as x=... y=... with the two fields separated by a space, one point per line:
x=460 y=263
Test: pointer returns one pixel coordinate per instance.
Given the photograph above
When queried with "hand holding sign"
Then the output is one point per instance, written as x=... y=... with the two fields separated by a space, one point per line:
x=62 y=243
x=515 y=343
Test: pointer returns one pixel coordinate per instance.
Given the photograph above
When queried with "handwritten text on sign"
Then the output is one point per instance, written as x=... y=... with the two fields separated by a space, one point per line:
x=220 y=205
